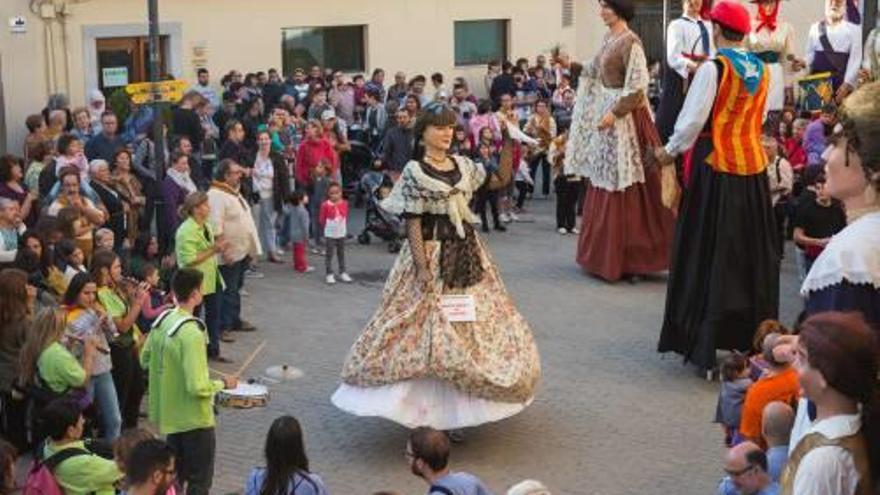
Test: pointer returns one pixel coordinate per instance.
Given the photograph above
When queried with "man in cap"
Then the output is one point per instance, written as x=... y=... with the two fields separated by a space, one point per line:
x=724 y=272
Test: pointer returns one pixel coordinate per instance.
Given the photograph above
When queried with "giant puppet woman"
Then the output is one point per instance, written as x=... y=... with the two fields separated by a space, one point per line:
x=418 y=362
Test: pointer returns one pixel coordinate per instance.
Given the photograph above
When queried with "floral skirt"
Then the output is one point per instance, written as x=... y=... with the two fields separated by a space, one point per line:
x=410 y=342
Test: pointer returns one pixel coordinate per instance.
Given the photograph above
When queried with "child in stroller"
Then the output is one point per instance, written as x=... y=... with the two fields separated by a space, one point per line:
x=376 y=186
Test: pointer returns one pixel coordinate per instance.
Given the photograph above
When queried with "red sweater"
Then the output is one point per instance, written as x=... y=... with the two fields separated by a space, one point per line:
x=330 y=210
x=309 y=154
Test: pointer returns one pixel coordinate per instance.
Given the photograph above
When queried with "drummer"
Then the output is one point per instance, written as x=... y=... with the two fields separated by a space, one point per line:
x=181 y=394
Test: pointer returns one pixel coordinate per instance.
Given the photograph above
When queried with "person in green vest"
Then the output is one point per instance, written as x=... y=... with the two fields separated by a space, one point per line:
x=181 y=394
x=196 y=246
x=83 y=472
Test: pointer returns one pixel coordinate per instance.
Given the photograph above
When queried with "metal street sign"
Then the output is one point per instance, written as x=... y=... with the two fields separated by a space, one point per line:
x=162 y=91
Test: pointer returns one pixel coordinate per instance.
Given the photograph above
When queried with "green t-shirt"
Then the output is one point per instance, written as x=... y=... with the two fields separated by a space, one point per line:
x=117 y=308
x=181 y=393
x=82 y=474
x=59 y=370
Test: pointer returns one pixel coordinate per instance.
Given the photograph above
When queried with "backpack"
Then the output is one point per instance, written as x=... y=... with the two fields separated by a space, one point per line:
x=41 y=477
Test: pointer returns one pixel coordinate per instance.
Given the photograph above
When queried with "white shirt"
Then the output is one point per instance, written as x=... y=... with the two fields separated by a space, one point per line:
x=781 y=175
x=232 y=219
x=264 y=172
x=696 y=110
x=209 y=94
x=844 y=37
x=683 y=36
x=829 y=470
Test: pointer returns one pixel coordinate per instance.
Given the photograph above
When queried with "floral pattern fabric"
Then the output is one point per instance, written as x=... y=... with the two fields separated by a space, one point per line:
x=409 y=337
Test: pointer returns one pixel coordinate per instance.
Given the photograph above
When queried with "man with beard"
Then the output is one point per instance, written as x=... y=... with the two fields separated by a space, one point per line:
x=150 y=468
x=835 y=45
x=428 y=455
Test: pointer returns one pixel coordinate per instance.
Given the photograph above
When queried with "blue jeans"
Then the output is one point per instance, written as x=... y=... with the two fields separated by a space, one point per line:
x=230 y=313
x=284 y=231
x=268 y=216
x=103 y=394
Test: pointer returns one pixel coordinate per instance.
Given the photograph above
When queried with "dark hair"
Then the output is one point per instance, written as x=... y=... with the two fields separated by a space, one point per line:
x=25 y=258
x=64 y=142
x=64 y=172
x=146 y=458
x=58 y=416
x=418 y=78
x=13 y=295
x=296 y=197
x=8 y=456
x=623 y=8
x=65 y=249
x=437 y=78
x=285 y=456
x=33 y=122
x=146 y=270
x=185 y=282
x=506 y=66
x=230 y=125
x=732 y=366
x=66 y=218
x=38 y=151
x=484 y=106
x=7 y=162
x=434 y=114
x=223 y=168
x=76 y=285
x=141 y=242
x=201 y=71
x=431 y=446
x=176 y=156
x=108 y=113
x=730 y=34
x=120 y=151
x=758 y=458
x=102 y=258
x=843 y=348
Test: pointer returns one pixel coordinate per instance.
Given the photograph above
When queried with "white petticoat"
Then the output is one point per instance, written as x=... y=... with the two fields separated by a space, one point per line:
x=423 y=402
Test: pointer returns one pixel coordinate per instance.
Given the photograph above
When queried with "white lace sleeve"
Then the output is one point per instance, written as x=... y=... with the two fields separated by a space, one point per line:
x=635 y=85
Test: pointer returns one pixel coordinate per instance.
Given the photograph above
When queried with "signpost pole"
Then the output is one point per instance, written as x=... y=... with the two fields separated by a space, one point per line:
x=158 y=139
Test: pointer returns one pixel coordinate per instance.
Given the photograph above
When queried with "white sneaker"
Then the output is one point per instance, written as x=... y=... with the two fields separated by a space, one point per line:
x=504 y=217
x=575 y=230
x=514 y=217
x=561 y=231
x=330 y=279
x=309 y=269
x=345 y=278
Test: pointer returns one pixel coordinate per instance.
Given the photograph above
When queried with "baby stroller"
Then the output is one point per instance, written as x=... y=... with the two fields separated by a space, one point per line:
x=378 y=221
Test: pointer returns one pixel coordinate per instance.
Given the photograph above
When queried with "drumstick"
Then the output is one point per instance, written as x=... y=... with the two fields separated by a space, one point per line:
x=247 y=362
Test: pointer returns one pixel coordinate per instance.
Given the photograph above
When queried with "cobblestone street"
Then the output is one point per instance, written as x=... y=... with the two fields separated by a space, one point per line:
x=611 y=415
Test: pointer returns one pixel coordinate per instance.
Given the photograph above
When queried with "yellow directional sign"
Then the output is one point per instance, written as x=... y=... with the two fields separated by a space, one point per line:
x=163 y=91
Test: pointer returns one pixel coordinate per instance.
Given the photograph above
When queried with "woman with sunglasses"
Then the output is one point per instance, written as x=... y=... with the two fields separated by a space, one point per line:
x=416 y=363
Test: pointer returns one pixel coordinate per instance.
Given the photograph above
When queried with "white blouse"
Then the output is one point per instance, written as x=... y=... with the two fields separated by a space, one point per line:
x=829 y=470
x=844 y=37
x=263 y=175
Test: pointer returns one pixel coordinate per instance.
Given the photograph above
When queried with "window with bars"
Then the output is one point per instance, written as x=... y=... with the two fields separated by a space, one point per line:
x=567 y=13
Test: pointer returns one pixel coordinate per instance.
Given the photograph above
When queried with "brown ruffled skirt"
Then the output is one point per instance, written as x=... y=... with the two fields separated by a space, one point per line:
x=627 y=232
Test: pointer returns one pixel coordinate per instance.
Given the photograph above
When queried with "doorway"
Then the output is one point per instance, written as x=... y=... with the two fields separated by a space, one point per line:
x=125 y=60
x=648 y=24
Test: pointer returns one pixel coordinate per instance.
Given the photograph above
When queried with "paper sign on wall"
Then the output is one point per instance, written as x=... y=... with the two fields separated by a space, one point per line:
x=114 y=77
x=459 y=308
x=18 y=24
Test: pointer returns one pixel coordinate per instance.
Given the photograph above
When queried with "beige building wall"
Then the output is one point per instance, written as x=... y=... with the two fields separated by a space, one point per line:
x=415 y=36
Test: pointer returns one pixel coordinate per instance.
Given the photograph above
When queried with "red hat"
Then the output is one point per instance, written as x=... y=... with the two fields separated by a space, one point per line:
x=733 y=16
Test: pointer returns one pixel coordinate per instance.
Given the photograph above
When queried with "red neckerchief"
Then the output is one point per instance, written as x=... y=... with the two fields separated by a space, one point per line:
x=766 y=20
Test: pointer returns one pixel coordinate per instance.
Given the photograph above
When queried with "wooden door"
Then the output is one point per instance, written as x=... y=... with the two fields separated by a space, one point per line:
x=126 y=60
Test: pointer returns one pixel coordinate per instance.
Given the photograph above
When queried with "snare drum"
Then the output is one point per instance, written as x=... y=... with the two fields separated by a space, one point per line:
x=245 y=396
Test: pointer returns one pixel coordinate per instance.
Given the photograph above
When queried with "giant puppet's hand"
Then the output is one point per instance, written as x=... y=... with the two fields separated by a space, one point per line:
x=663 y=157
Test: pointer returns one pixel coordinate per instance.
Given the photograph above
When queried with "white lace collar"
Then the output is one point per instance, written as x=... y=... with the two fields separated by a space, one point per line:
x=852 y=255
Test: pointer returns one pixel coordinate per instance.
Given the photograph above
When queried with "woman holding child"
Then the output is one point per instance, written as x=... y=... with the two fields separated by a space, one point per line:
x=415 y=363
